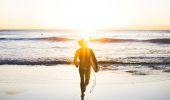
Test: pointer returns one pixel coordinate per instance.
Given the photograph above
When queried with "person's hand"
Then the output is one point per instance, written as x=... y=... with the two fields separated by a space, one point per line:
x=97 y=70
x=76 y=65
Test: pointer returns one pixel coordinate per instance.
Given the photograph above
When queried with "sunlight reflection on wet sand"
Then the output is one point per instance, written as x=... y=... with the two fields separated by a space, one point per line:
x=61 y=82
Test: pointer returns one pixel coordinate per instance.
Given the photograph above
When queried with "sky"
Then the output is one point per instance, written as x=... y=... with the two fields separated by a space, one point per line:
x=84 y=14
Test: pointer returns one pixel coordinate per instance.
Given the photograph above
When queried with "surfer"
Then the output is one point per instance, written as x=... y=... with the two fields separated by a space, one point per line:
x=87 y=59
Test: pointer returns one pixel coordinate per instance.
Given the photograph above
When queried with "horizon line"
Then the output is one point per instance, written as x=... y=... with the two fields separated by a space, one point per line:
x=78 y=30
x=126 y=28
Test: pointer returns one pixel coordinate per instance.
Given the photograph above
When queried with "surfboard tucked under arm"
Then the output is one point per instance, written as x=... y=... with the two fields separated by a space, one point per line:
x=93 y=62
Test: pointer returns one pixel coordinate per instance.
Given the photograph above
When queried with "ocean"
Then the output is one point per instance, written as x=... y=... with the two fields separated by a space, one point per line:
x=41 y=47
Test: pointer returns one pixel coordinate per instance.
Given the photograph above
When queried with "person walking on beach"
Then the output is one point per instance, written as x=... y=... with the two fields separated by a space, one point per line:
x=86 y=58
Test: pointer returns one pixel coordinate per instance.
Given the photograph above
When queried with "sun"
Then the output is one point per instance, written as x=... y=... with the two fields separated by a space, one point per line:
x=87 y=35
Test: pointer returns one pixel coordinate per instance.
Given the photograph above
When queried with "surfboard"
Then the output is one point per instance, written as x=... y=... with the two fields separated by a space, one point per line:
x=93 y=62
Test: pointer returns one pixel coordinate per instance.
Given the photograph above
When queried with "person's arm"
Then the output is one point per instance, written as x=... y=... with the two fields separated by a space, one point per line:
x=75 y=58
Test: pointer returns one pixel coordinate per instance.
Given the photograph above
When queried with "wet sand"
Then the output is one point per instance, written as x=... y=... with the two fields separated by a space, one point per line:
x=61 y=82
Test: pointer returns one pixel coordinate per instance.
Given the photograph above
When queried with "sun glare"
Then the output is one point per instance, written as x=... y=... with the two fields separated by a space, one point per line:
x=87 y=35
x=77 y=14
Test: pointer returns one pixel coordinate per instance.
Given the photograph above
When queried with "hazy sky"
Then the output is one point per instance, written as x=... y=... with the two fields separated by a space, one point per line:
x=84 y=14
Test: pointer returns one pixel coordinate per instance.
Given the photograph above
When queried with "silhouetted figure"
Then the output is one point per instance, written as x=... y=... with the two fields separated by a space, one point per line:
x=84 y=54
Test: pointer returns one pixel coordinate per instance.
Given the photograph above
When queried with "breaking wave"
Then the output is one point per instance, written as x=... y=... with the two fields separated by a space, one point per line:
x=55 y=62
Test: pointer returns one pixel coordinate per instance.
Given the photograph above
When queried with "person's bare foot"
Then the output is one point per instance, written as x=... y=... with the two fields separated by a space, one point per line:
x=82 y=97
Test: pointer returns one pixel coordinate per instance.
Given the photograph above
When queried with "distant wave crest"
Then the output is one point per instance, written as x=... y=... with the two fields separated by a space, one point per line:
x=107 y=40
x=45 y=38
x=100 y=40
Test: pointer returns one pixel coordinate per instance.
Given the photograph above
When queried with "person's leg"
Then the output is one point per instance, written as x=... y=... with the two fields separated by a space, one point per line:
x=87 y=76
x=82 y=83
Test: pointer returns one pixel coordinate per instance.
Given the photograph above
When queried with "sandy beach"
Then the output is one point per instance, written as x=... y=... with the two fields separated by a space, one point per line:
x=43 y=41
x=61 y=82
